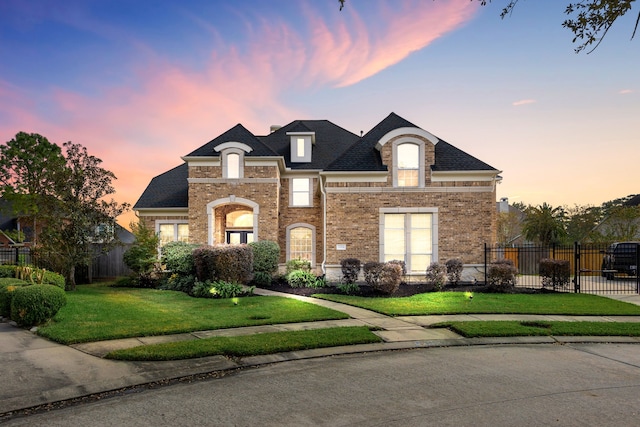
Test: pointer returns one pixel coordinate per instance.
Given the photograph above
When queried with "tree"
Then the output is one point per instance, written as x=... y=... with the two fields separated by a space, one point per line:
x=544 y=224
x=621 y=224
x=508 y=226
x=80 y=216
x=29 y=168
x=589 y=20
x=581 y=223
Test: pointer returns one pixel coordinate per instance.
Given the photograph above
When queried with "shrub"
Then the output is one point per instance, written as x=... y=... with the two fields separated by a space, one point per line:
x=555 y=272
x=36 y=304
x=233 y=263
x=219 y=289
x=372 y=271
x=402 y=264
x=437 y=275
x=178 y=257
x=265 y=260
x=7 y=286
x=7 y=271
x=348 y=288
x=142 y=256
x=454 y=270
x=304 y=279
x=501 y=275
x=55 y=279
x=389 y=279
x=298 y=264
x=350 y=270
x=180 y=283
x=203 y=258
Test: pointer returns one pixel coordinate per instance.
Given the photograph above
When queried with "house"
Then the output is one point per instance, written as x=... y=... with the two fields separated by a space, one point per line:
x=325 y=194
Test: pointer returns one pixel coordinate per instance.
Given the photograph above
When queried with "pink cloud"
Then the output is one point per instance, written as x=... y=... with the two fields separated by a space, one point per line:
x=141 y=129
x=625 y=91
x=523 y=102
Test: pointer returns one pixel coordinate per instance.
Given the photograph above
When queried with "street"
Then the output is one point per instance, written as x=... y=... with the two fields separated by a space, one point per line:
x=563 y=385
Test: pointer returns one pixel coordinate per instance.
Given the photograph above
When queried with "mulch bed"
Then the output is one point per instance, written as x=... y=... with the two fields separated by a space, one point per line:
x=405 y=289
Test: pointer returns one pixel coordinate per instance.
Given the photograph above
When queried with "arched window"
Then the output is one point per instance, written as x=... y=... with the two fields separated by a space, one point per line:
x=301 y=242
x=408 y=161
x=233 y=165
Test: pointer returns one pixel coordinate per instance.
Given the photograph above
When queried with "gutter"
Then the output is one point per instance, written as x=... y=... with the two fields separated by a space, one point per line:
x=324 y=225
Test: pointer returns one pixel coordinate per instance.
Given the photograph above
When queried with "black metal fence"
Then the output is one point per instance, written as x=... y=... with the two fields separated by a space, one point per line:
x=597 y=269
x=15 y=255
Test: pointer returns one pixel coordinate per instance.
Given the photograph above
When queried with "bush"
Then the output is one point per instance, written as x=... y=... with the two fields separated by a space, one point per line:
x=454 y=270
x=266 y=255
x=55 y=279
x=437 y=275
x=142 y=256
x=350 y=270
x=7 y=286
x=501 y=275
x=178 y=258
x=7 y=271
x=219 y=289
x=372 y=271
x=304 y=279
x=402 y=264
x=229 y=263
x=298 y=264
x=36 y=304
x=348 y=288
x=389 y=279
x=180 y=283
x=555 y=272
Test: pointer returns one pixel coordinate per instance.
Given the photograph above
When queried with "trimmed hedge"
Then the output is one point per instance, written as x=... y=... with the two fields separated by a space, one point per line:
x=265 y=260
x=229 y=263
x=350 y=270
x=555 y=272
x=178 y=258
x=437 y=275
x=36 y=304
x=7 y=287
x=501 y=275
x=46 y=276
x=7 y=270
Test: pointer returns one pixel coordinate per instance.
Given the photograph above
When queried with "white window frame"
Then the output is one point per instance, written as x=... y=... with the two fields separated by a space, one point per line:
x=175 y=226
x=421 y=167
x=405 y=211
x=310 y=192
x=225 y=163
x=313 y=240
x=307 y=141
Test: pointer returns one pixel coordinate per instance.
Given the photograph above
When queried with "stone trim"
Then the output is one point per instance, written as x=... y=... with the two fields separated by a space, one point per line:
x=211 y=207
x=478 y=189
x=313 y=241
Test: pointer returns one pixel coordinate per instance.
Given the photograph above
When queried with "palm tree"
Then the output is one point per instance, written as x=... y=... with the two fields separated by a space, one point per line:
x=544 y=224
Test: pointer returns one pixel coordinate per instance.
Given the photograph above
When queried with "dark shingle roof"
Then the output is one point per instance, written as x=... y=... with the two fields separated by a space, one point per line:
x=331 y=142
x=363 y=155
x=450 y=158
x=168 y=190
x=238 y=133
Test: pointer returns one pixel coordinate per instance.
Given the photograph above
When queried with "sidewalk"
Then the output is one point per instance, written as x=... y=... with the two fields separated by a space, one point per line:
x=38 y=371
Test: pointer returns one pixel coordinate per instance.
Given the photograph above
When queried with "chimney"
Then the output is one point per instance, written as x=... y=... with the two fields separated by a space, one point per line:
x=274 y=128
x=504 y=204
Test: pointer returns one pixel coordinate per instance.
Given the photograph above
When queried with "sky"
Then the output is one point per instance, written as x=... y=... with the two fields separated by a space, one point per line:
x=142 y=83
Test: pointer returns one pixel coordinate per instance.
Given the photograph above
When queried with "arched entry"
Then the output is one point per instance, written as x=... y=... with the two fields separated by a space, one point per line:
x=232 y=220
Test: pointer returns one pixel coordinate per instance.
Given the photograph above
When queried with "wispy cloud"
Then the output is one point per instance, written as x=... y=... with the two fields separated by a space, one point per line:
x=167 y=108
x=625 y=91
x=523 y=102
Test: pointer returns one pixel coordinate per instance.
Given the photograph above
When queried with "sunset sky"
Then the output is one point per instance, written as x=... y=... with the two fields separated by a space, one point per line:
x=141 y=83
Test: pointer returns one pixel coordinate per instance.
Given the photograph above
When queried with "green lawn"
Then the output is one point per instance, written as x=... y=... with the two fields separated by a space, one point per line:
x=249 y=345
x=461 y=303
x=508 y=328
x=99 y=312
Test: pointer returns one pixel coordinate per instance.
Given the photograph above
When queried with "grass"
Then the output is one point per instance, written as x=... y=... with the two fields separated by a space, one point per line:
x=508 y=328
x=490 y=303
x=249 y=345
x=99 y=312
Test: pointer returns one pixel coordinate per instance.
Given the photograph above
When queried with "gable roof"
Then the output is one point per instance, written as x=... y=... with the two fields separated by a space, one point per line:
x=168 y=190
x=238 y=133
x=335 y=149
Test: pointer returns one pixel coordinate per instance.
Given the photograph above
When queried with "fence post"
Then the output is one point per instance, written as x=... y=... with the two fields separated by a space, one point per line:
x=485 y=263
x=638 y=268
x=576 y=267
x=17 y=254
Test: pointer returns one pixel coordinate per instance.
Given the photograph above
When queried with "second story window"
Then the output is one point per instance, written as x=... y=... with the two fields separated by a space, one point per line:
x=300 y=194
x=408 y=170
x=232 y=166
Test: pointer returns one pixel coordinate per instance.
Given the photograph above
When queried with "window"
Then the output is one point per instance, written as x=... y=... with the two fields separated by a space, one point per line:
x=300 y=242
x=239 y=227
x=300 y=193
x=408 y=161
x=172 y=232
x=233 y=166
x=300 y=147
x=408 y=237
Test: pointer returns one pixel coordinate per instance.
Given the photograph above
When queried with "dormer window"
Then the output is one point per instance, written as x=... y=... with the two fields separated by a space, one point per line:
x=301 y=143
x=232 y=157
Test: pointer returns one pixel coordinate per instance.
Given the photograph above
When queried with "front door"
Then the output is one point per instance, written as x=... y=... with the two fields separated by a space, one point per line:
x=235 y=237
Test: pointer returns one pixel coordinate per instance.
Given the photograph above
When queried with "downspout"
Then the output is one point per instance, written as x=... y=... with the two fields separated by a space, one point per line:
x=324 y=225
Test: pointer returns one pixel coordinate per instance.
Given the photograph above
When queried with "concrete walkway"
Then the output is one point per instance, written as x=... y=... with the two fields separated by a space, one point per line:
x=36 y=372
